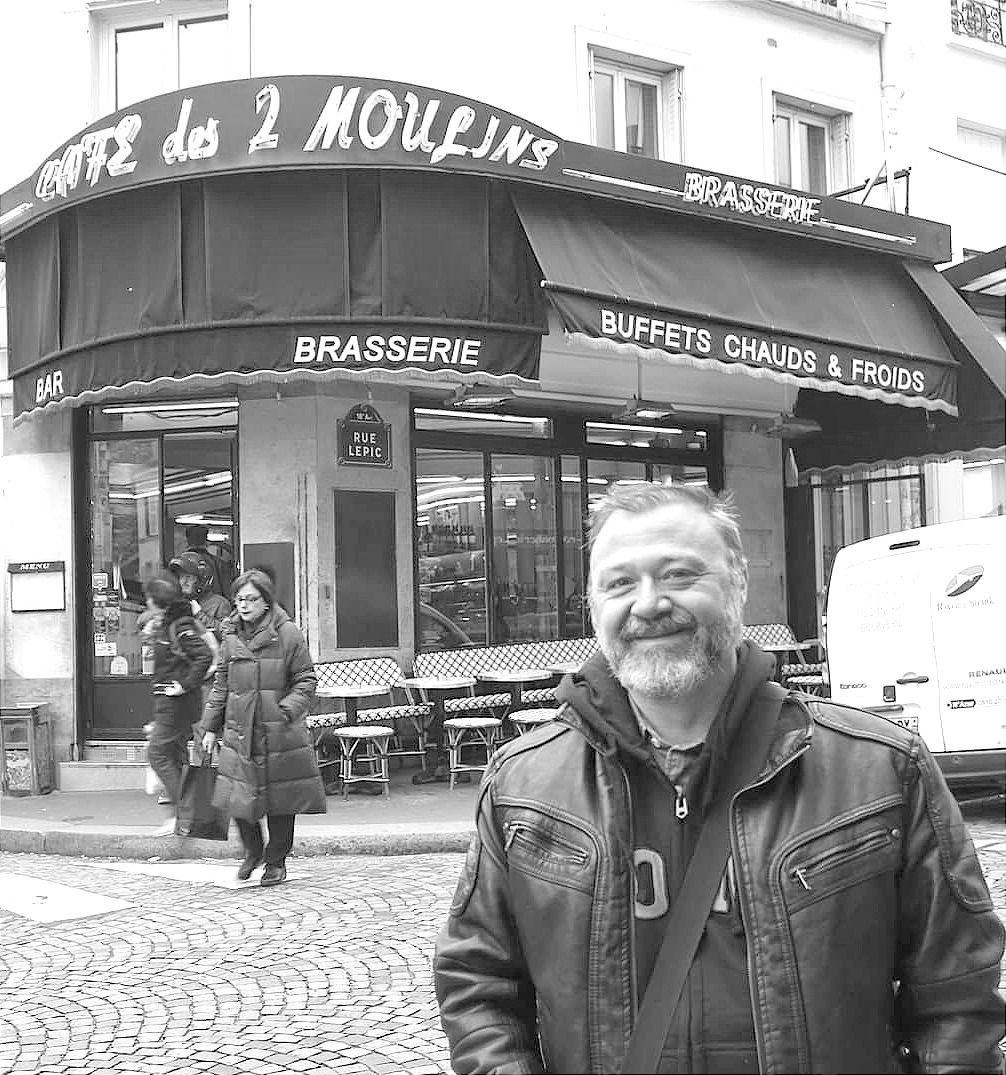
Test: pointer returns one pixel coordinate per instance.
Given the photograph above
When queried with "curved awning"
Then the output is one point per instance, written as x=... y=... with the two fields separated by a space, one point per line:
x=213 y=282
x=716 y=296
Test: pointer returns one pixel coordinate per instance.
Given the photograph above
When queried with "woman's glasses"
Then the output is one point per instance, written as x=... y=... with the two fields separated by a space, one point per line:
x=247 y=598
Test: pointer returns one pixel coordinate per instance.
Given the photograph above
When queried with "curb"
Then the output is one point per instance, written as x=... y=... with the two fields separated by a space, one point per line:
x=169 y=848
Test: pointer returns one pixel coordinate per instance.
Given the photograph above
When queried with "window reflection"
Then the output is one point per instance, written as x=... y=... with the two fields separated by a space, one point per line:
x=524 y=584
x=198 y=493
x=450 y=537
x=126 y=549
x=574 y=606
x=518 y=573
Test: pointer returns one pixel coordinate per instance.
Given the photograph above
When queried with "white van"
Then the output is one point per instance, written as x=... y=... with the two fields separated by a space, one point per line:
x=916 y=631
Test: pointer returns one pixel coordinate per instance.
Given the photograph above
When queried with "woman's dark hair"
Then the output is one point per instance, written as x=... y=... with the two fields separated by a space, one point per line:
x=260 y=580
x=162 y=591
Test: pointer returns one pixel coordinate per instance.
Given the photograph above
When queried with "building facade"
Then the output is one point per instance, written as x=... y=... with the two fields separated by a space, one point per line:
x=387 y=310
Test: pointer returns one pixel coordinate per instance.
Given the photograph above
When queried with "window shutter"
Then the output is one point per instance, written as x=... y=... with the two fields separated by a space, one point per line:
x=840 y=130
x=674 y=123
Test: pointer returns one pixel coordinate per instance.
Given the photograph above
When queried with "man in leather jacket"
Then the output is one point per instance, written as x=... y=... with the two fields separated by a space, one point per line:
x=852 y=930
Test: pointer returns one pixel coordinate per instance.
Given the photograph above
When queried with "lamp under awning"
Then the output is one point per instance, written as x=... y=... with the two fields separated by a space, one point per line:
x=716 y=296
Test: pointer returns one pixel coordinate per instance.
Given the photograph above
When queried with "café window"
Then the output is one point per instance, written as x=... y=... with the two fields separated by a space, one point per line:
x=501 y=503
x=155 y=46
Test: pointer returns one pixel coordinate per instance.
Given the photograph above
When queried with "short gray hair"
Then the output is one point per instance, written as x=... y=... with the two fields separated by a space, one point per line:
x=638 y=498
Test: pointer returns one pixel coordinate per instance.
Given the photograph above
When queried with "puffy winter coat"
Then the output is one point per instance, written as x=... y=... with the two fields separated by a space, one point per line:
x=261 y=693
x=872 y=944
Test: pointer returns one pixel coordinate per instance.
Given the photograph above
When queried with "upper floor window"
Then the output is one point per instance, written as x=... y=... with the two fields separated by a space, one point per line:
x=144 y=49
x=636 y=107
x=812 y=146
x=982 y=145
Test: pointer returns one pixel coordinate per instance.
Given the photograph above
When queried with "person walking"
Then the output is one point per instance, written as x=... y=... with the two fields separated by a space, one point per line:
x=181 y=659
x=261 y=694
x=836 y=920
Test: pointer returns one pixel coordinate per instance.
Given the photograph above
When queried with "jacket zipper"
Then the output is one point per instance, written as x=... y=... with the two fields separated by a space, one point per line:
x=745 y=911
x=633 y=999
x=516 y=831
x=680 y=802
x=856 y=847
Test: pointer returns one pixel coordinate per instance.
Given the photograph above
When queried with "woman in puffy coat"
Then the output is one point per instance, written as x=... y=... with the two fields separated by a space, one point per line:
x=181 y=659
x=261 y=694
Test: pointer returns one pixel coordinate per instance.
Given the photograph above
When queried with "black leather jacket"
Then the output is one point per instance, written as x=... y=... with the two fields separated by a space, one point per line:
x=872 y=943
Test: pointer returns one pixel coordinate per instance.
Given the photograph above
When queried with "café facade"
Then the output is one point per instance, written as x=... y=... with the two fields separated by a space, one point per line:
x=391 y=343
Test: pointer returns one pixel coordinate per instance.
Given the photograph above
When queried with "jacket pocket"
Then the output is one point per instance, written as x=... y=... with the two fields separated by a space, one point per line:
x=840 y=858
x=551 y=849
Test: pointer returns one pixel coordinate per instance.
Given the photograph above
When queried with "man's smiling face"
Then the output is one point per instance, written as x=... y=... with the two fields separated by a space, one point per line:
x=665 y=604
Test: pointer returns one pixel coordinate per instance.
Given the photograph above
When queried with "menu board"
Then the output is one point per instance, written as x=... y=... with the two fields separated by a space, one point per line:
x=37 y=586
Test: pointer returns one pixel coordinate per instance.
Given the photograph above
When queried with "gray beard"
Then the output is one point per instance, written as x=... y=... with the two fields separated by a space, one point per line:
x=666 y=674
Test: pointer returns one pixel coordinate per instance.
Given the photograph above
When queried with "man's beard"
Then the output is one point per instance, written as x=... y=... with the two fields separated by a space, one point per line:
x=669 y=671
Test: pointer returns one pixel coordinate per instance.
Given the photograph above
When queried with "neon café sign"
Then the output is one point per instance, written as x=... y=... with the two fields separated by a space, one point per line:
x=302 y=121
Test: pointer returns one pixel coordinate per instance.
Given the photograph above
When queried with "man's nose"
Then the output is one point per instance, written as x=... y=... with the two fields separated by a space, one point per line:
x=650 y=598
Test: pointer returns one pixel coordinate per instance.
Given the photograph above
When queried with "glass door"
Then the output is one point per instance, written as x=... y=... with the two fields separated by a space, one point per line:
x=152 y=494
x=125 y=551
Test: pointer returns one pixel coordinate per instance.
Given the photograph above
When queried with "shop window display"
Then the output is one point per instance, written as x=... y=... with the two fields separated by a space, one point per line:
x=531 y=584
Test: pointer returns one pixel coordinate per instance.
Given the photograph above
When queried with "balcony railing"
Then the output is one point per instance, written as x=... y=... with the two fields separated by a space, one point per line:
x=980 y=19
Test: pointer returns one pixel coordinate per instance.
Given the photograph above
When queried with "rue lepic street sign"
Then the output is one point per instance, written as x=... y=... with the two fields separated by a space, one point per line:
x=364 y=439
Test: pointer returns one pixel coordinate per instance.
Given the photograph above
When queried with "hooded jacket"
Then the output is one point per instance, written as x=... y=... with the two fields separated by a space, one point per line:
x=180 y=654
x=261 y=694
x=871 y=943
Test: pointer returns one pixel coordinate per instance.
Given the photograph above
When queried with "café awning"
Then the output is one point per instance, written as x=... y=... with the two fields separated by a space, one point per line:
x=227 y=280
x=863 y=432
x=712 y=295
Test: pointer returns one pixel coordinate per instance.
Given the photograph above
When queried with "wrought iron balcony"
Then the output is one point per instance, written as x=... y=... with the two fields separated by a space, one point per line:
x=981 y=19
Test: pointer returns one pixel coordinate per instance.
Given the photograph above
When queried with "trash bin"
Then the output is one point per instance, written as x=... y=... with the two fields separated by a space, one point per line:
x=26 y=762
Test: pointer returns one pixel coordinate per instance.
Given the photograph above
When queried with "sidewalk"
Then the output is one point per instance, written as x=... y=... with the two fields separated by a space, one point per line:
x=123 y=824
x=412 y=820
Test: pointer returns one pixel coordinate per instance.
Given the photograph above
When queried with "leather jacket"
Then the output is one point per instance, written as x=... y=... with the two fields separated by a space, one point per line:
x=872 y=943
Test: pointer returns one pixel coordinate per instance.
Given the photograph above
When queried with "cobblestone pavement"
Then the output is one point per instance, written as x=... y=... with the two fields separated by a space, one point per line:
x=329 y=973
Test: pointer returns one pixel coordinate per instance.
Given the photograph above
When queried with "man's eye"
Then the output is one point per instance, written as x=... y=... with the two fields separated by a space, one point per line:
x=679 y=575
x=620 y=583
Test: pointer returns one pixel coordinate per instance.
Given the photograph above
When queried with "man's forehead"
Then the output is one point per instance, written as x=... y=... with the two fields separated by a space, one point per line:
x=681 y=526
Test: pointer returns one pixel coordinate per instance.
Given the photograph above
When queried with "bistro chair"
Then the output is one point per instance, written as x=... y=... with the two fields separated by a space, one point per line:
x=364 y=755
x=480 y=734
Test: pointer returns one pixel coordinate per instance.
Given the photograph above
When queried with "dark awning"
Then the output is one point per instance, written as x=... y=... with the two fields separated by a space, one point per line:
x=280 y=276
x=859 y=431
x=711 y=295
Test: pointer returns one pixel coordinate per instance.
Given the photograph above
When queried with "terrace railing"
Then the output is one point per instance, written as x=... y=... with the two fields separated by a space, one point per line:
x=980 y=19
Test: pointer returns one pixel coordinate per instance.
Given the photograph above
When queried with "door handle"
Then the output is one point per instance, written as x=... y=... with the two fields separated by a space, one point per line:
x=911 y=677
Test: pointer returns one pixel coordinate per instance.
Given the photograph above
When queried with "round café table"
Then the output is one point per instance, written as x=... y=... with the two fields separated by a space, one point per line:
x=352 y=695
x=514 y=679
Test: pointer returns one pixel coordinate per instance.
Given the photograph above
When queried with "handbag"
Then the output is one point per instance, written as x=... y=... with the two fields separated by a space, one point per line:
x=702 y=879
x=197 y=816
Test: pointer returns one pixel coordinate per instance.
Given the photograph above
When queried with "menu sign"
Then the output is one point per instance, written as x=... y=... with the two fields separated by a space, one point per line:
x=37 y=586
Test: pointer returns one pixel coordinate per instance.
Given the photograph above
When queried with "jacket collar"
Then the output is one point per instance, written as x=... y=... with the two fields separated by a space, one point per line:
x=264 y=633
x=597 y=706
